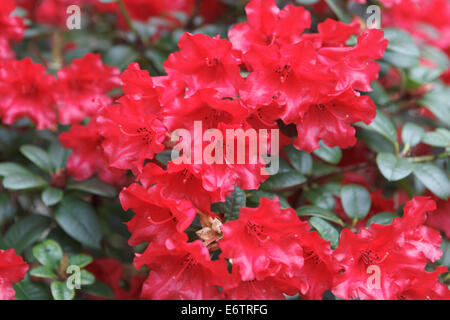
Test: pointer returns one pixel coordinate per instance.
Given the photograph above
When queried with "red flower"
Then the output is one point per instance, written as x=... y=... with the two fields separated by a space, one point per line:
x=132 y=133
x=180 y=181
x=12 y=269
x=181 y=270
x=205 y=62
x=26 y=91
x=440 y=218
x=386 y=253
x=264 y=241
x=318 y=269
x=267 y=25
x=156 y=218
x=11 y=28
x=83 y=86
x=87 y=156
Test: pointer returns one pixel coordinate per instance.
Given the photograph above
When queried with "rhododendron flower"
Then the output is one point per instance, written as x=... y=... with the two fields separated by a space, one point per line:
x=181 y=270
x=264 y=241
x=391 y=250
x=156 y=218
x=268 y=25
x=26 y=91
x=205 y=62
x=12 y=269
x=132 y=133
x=11 y=28
x=83 y=86
x=87 y=156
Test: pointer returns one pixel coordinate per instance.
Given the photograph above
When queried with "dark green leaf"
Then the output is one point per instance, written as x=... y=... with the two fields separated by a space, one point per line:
x=79 y=220
x=412 y=134
x=58 y=156
x=10 y=168
x=38 y=156
x=232 y=205
x=438 y=102
x=434 y=178
x=438 y=138
x=99 y=289
x=25 y=232
x=319 y=212
x=382 y=125
x=326 y=230
x=7 y=208
x=86 y=278
x=94 y=186
x=51 y=196
x=393 y=168
x=331 y=155
x=256 y=195
x=356 y=201
x=27 y=290
x=300 y=160
x=401 y=52
x=22 y=181
x=381 y=218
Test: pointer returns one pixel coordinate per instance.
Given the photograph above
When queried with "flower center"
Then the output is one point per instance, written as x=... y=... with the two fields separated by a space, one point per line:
x=211 y=62
x=371 y=257
x=284 y=72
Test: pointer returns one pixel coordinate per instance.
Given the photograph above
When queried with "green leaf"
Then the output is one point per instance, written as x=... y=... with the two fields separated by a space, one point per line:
x=48 y=253
x=323 y=196
x=331 y=155
x=81 y=260
x=23 y=181
x=325 y=230
x=43 y=272
x=421 y=75
x=355 y=201
x=60 y=291
x=412 y=134
x=319 y=212
x=382 y=125
x=256 y=195
x=79 y=220
x=375 y=141
x=306 y=2
x=232 y=205
x=300 y=160
x=340 y=9
x=285 y=178
x=51 y=196
x=94 y=186
x=10 y=168
x=58 y=155
x=27 y=290
x=381 y=218
x=86 y=278
x=7 y=208
x=401 y=51
x=437 y=56
x=445 y=247
x=99 y=289
x=38 y=156
x=434 y=178
x=438 y=102
x=438 y=138
x=25 y=232
x=120 y=56
x=392 y=167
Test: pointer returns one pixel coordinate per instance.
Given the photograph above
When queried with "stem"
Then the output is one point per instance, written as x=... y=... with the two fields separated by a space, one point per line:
x=429 y=157
x=57 y=46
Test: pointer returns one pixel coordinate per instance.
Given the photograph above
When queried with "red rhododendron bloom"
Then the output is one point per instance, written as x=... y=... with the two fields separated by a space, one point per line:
x=389 y=251
x=267 y=25
x=12 y=269
x=156 y=218
x=205 y=62
x=181 y=270
x=87 y=157
x=132 y=133
x=264 y=241
x=11 y=28
x=26 y=91
x=83 y=86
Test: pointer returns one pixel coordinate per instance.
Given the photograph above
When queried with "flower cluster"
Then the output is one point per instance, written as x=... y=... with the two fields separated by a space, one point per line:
x=274 y=71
